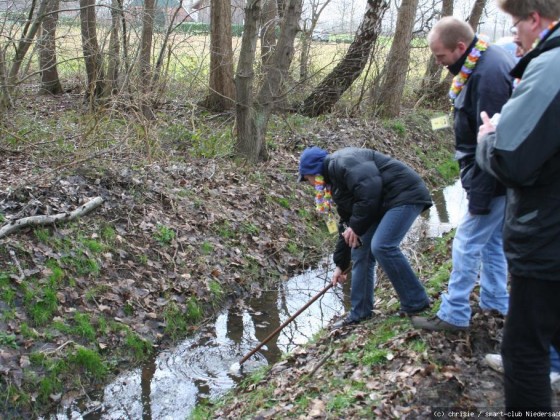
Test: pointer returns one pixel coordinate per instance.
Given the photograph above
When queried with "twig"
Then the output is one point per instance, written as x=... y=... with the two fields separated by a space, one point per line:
x=18 y=265
x=320 y=363
x=47 y=352
x=49 y=220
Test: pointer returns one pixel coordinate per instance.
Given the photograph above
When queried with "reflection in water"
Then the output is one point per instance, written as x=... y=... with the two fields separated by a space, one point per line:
x=450 y=205
x=169 y=386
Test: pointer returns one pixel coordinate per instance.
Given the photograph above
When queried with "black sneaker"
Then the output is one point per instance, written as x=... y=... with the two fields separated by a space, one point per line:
x=345 y=322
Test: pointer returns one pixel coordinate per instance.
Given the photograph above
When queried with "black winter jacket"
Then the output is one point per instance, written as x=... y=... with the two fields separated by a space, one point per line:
x=524 y=153
x=365 y=184
x=487 y=89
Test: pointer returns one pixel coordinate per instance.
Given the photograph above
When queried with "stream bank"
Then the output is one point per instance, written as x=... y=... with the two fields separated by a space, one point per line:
x=177 y=238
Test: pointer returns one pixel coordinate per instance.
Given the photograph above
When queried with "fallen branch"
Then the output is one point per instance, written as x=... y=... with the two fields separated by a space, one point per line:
x=49 y=220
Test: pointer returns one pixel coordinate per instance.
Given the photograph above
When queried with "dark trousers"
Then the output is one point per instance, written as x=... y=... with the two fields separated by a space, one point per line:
x=532 y=325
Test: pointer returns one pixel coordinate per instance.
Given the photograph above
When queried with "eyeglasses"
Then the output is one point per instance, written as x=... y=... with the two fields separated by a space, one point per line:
x=513 y=28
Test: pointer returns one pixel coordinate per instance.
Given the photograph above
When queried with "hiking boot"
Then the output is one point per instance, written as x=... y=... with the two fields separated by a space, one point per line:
x=434 y=324
x=494 y=361
x=403 y=314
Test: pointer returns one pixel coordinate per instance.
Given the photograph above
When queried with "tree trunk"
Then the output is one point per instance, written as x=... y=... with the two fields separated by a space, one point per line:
x=476 y=14
x=276 y=73
x=349 y=69
x=9 y=76
x=433 y=89
x=114 y=49
x=92 y=54
x=306 y=39
x=145 y=58
x=268 y=30
x=246 y=143
x=124 y=37
x=252 y=119
x=50 y=82
x=389 y=96
x=222 y=88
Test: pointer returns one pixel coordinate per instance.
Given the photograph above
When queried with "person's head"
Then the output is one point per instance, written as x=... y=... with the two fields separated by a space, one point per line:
x=449 y=39
x=311 y=164
x=530 y=17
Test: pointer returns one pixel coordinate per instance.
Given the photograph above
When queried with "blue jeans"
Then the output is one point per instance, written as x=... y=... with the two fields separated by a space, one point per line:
x=382 y=243
x=477 y=249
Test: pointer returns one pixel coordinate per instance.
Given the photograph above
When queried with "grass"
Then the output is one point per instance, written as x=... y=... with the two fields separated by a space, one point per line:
x=8 y=340
x=216 y=290
x=83 y=326
x=206 y=248
x=140 y=348
x=177 y=321
x=164 y=235
x=90 y=362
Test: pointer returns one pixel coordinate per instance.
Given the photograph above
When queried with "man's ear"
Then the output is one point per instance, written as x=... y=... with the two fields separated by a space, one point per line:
x=536 y=23
x=461 y=46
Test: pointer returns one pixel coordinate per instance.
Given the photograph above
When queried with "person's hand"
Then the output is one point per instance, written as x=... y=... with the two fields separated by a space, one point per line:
x=351 y=239
x=338 y=277
x=486 y=127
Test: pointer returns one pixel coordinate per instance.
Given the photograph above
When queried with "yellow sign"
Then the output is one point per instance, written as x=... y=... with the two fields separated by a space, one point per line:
x=332 y=226
x=440 y=122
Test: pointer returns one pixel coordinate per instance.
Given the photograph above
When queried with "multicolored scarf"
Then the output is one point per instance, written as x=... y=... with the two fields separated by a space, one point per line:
x=323 y=196
x=460 y=80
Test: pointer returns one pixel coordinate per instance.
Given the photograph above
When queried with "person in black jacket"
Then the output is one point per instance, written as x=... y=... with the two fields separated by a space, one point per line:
x=377 y=198
x=482 y=82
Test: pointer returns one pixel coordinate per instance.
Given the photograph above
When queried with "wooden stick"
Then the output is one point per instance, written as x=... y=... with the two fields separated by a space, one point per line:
x=15 y=225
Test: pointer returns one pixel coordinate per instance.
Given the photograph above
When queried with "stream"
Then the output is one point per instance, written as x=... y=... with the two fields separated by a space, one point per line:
x=171 y=384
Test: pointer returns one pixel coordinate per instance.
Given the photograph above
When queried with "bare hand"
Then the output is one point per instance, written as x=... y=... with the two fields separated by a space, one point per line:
x=338 y=277
x=486 y=127
x=351 y=239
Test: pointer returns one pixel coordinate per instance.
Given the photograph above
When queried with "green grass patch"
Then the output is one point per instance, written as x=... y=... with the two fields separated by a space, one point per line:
x=175 y=323
x=164 y=235
x=90 y=361
x=216 y=290
x=206 y=248
x=41 y=309
x=141 y=349
x=83 y=326
x=8 y=340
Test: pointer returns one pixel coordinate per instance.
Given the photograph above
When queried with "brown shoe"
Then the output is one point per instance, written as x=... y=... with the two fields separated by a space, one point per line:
x=434 y=324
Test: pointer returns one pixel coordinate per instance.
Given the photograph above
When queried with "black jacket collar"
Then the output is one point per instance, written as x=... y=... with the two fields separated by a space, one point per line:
x=519 y=69
x=455 y=68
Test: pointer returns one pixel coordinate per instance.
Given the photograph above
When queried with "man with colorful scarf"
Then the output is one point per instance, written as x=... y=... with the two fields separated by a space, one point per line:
x=482 y=82
x=377 y=198
x=523 y=152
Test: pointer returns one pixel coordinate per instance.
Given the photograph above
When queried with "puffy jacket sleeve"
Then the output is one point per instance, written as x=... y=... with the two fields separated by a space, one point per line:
x=365 y=184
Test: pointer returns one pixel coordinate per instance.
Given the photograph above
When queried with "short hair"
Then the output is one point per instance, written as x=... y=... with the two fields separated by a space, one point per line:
x=450 y=31
x=546 y=8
